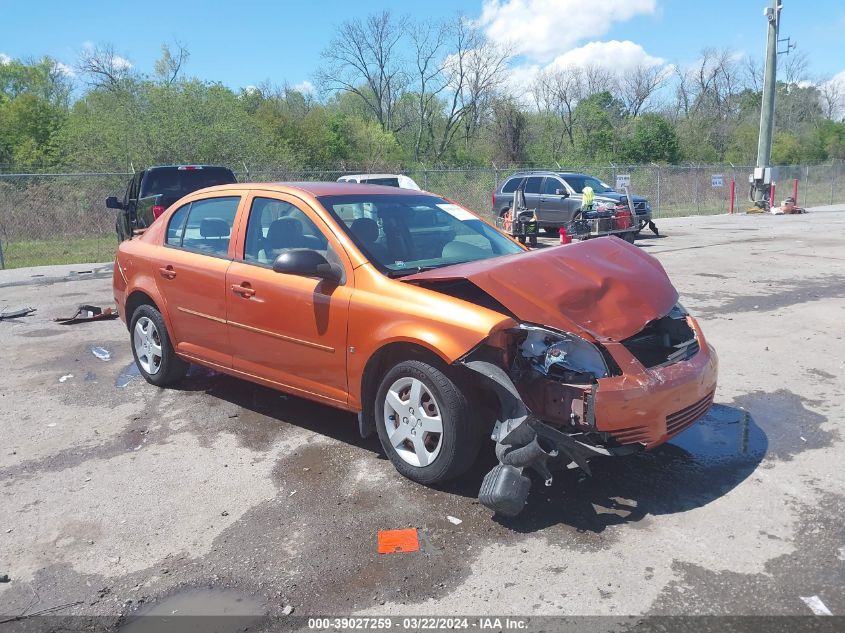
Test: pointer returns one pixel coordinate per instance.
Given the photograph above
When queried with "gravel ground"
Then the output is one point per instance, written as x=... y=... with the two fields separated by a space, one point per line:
x=118 y=498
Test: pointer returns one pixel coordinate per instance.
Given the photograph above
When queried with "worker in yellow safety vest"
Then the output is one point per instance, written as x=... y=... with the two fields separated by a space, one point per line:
x=588 y=195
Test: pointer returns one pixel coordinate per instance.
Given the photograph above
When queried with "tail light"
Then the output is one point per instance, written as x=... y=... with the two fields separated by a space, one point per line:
x=493 y=200
x=157 y=211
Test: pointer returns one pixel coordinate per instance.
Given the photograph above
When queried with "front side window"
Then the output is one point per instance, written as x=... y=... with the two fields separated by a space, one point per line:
x=208 y=227
x=579 y=182
x=403 y=234
x=276 y=226
x=551 y=185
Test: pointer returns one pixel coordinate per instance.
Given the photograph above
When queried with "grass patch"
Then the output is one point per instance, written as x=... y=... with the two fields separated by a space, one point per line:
x=81 y=250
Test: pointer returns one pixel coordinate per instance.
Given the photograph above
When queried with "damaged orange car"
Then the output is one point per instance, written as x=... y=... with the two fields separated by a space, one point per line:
x=436 y=328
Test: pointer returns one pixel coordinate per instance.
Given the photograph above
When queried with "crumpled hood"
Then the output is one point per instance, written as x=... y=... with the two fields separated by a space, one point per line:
x=603 y=287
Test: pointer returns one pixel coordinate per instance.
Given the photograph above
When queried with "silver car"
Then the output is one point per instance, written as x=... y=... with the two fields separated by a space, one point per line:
x=558 y=195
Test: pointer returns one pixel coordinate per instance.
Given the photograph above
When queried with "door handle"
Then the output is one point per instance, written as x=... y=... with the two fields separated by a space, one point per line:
x=167 y=272
x=245 y=291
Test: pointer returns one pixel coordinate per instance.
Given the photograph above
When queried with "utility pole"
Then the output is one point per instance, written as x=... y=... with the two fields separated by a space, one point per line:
x=767 y=113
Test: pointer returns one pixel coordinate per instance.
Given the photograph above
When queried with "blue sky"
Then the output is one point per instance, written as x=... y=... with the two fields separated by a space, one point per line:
x=246 y=42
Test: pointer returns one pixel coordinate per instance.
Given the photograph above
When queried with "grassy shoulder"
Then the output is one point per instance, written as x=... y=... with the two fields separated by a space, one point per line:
x=81 y=250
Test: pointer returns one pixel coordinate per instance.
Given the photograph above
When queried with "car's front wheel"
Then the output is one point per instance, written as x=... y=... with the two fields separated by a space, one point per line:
x=425 y=423
x=152 y=349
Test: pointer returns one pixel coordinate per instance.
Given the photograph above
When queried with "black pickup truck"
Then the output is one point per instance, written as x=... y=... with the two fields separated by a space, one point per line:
x=152 y=190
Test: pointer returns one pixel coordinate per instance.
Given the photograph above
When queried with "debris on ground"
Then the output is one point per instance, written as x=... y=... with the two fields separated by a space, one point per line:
x=398 y=541
x=87 y=313
x=65 y=377
x=4 y=577
x=16 y=314
x=288 y=609
x=101 y=352
x=453 y=520
x=816 y=605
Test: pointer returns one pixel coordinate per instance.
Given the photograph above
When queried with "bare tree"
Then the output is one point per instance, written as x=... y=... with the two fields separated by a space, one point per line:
x=364 y=58
x=104 y=68
x=557 y=92
x=168 y=66
x=639 y=84
x=831 y=98
x=597 y=79
x=428 y=40
x=796 y=68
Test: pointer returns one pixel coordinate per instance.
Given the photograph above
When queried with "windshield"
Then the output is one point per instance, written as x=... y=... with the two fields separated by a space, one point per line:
x=579 y=182
x=403 y=234
x=180 y=182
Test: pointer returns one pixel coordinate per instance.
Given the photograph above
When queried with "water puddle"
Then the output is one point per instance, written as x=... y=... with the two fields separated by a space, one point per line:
x=198 y=611
x=101 y=352
x=127 y=375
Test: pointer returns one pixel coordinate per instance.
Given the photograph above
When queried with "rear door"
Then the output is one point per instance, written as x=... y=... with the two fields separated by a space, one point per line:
x=190 y=270
x=289 y=330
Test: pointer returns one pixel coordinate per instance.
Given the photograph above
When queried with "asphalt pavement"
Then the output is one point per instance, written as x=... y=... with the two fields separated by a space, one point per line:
x=219 y=496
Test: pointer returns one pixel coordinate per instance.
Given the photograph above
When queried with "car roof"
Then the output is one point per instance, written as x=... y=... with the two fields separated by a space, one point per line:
x=548 y=173
x=187 y=165
x=372 y=176
x=317 y=189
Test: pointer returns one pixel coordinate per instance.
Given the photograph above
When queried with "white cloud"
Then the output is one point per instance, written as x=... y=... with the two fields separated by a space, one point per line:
x=121 y=63
x=543 y=29
x=305 y=87
x=5 y=59
x=614 y=55
x=66 y=70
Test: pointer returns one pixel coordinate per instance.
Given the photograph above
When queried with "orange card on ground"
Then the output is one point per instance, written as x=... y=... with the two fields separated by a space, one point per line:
x=396 y=541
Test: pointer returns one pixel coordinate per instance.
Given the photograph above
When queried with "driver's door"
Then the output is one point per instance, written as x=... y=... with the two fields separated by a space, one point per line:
x=287 y=330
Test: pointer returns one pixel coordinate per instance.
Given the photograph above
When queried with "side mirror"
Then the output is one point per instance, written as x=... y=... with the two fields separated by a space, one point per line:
x=562 y=192
x=113 y=203
x=307 y=263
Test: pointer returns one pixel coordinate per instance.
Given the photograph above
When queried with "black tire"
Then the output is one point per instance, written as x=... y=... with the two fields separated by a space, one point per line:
x=462 y=424
x=172 y=368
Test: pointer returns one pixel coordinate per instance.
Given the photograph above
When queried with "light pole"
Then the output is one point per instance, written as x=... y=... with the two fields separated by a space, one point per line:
x=762 y=175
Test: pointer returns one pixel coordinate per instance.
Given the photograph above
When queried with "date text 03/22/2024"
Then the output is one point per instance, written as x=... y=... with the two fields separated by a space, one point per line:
x=419 y=623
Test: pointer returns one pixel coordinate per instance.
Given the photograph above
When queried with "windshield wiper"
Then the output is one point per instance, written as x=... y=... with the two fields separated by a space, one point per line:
x=421 y=269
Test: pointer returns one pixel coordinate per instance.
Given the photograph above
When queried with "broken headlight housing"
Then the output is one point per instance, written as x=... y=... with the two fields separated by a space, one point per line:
x=561 y=355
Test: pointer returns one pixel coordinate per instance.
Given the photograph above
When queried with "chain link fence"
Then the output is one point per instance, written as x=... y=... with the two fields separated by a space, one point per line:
x=62 y=219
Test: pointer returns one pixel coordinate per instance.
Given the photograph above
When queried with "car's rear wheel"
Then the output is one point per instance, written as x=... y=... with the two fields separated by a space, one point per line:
x=425 y=423
x=152 y=349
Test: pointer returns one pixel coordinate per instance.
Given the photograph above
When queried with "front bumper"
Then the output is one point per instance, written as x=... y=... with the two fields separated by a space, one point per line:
x=642 y=408
x=649 y=406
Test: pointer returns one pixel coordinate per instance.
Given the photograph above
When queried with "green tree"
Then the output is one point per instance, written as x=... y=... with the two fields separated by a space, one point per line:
x=652 y=139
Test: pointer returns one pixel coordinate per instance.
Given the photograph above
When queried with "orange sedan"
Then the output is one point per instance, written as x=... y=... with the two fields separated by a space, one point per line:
x=436 y=328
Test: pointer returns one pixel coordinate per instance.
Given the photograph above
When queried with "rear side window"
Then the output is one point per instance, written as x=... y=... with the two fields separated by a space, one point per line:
x=176 y=226
x=208 y=228
x=512 y=184
x=532 y=184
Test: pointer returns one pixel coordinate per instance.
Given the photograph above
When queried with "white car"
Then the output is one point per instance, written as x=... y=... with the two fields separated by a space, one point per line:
x=390 y=180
